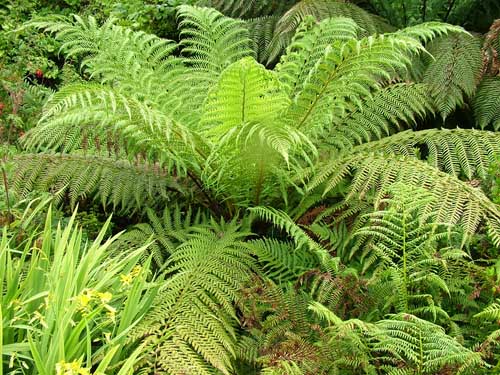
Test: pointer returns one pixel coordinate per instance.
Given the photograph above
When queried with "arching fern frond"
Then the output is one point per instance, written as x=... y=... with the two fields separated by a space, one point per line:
x=372 y=173
x=167 y=232
x=319 y=10
x=210 y=41
x=282 y=261
x=116 y=183
x=454 y=72
x=308 y=46
x=423 y=346
x=385 y=113
x=192 y=327
x=486 y=103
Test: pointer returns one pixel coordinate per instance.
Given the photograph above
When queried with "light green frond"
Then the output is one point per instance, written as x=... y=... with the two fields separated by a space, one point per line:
x=388 y=110
x=319 y=10
x=243 y=119
x=116 y=183
x=461 y=152
x=308 y=46
x=486 y=103
x=454 y=72
x=89 y=116
x=456 y=202
x=193 y=325
x=245 y=92
x=281 y=261
x=346 y=73
x=423 y=345
x=210 y=41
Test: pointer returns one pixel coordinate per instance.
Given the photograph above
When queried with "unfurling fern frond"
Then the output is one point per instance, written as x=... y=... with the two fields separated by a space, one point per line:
x=116 y=183
x=192 y=329
x=454 y=72
x=486 y=103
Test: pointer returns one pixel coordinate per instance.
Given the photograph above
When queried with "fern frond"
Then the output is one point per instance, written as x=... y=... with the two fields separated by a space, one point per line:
x=457 y=202
x=167 y=232
x=192 y=327
x=281 y=261
x=116 y=183
x=425 y=346
x=486 y=103
x=299 y=236
x=308 y=46
x=319 y=10
x=454 y=72
x=386 y=112
x=210 y=41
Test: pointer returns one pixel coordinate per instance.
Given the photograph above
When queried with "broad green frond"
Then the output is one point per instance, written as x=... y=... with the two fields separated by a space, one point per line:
x=454 y=72
x=308 y=46
x=492 y=312
x=456 y=202
x=319 y=10
x=192 y=327
x=282 y=261
x=424 y=346
x=385 y=113
x=210 y=41
x=103 y=114
x=243 y=118
x=486 y=103
x=245 y=92
x=461 y=152
x=167 y=232
x=116 y=183
x=346 y=73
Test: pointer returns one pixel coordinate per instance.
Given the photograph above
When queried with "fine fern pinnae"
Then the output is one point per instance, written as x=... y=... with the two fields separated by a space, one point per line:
x=403 y=245
x=454 y=72
x=167 y=232
x=419 y=347
x=192 y=329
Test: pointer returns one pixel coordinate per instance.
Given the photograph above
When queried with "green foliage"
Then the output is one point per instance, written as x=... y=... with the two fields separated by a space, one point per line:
x=353 y=216
x=486 y=104
x=193 y=325
x=454 y=72
x=61 y=295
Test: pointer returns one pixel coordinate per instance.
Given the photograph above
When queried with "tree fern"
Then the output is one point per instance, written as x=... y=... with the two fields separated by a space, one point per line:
x=192 y=327
x=454 y=72
x=422 y=347
x=486 y=103
x=115 y=183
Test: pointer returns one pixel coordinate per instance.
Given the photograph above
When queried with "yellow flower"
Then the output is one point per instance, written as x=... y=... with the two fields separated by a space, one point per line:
x=71 y=368
x=126 y=279
x=105 y=297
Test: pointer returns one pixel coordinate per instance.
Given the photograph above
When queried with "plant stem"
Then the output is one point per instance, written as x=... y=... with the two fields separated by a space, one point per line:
x=7 y=197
